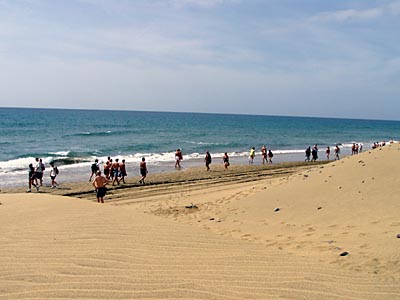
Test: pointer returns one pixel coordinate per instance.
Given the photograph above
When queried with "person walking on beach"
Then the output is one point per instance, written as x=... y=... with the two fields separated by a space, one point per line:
x=107 y=167
x=99 y=183
x=39 y=169
x=143 y=170
x=308 y=154
x=337 y=152
x=94 y=168
x=32 y=179
x=354 y=149
x=178 y=158
x=122 y=169
x=115 y=170
x=252 y=155
x=111 y=172
x=314 y=153
x=264 y=154
x=208 y=160
x=53 y=174
x=225 y=160
x=270 y=156
x=327 y=152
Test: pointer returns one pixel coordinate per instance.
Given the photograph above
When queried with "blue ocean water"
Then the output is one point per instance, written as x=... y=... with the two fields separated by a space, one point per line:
x=73 y=138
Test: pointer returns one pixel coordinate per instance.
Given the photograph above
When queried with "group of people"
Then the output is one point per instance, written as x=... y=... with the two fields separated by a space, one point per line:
x=356 y=148
x=114 y=172
x=312 y=153
x=35 y=174
x=208 y=160
x=266 y=155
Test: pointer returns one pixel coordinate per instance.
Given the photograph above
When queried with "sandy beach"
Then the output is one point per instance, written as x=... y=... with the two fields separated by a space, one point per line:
x=254 y=232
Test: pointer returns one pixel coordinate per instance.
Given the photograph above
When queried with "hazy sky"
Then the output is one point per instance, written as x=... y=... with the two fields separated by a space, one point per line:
x=277 y=57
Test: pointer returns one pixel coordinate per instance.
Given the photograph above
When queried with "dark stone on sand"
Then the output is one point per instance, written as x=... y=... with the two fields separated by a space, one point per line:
x=319 y=207
x=212 y=219
x=345 y=253
x=398 y=236
x=277 y=209
x=305 y=175
x=191 y=206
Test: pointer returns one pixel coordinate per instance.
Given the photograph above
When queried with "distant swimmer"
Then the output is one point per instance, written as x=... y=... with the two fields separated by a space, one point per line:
x=264 y=154
x=225 y=160
x=143 y=170
x=99 y=183
x=178 y=158
x=252 y=155
x=208 y=160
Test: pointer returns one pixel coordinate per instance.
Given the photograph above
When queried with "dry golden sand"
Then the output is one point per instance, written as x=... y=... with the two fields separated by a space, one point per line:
x=144 y=243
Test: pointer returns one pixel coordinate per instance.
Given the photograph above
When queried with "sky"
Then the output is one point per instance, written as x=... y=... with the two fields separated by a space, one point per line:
x=272 y=57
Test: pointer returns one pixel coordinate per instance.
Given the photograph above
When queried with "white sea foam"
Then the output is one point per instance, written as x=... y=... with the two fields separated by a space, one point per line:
x=60 y=153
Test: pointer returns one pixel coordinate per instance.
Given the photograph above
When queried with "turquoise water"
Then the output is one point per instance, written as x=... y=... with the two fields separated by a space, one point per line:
x=73 y=138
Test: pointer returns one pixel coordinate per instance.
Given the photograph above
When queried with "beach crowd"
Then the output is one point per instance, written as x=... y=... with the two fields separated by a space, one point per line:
x=114 y=171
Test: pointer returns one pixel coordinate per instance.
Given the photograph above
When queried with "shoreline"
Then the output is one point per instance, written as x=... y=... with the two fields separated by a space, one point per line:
x=78 y=173
x=236 y=173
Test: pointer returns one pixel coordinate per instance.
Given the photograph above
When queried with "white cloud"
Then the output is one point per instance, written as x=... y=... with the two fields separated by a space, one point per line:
x=349 y=15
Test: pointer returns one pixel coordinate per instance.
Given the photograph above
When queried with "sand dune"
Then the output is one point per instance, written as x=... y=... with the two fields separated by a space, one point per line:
x=231 y=245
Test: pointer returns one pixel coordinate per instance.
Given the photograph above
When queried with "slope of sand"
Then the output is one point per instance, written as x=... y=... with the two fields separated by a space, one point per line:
x=351 y=205
x=230 y=245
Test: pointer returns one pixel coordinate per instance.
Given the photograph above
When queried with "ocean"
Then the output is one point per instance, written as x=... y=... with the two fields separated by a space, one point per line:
x=74 y=138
